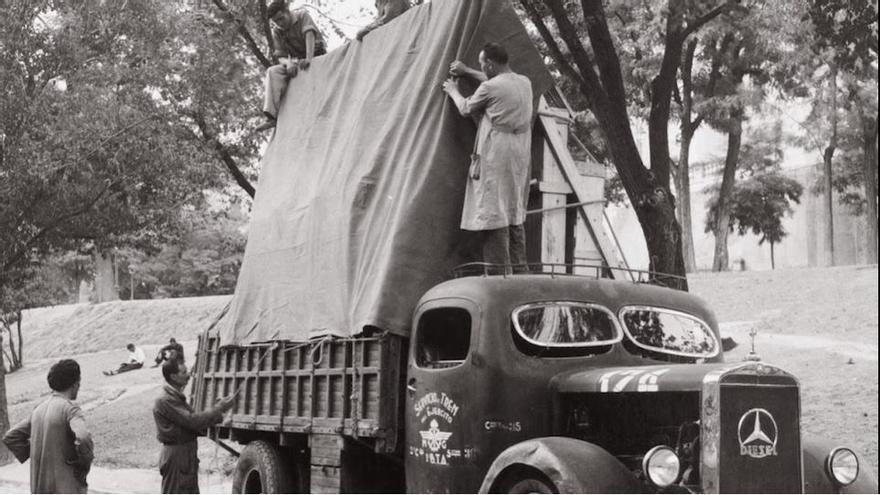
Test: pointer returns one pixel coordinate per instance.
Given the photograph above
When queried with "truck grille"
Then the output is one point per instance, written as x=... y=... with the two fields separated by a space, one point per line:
x=754 y=415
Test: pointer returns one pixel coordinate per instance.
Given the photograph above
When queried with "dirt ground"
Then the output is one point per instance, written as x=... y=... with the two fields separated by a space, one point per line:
x=820 y=324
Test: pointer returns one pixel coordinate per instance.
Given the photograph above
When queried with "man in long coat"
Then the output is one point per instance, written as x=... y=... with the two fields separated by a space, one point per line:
x=178 y=426
x=497 y=187
x=55 y=436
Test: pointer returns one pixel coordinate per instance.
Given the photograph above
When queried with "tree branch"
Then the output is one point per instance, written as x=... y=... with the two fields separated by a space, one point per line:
x=552 y=46
x=245 y=34
x=594 y=92
x=267 y=31
x=606 y=55
x=703 y=19
x=223 y=153
x=16 y=257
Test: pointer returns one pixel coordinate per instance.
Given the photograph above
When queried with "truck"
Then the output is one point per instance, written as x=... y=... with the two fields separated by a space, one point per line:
x=525 y=383
x=367 y=358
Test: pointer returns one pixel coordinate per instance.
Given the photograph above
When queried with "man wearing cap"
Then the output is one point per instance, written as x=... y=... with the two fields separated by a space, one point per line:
x=297 y=40
x=55 y=437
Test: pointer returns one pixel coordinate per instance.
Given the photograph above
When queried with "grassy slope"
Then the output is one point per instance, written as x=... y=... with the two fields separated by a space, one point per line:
x=83 y=328
x=824 y=305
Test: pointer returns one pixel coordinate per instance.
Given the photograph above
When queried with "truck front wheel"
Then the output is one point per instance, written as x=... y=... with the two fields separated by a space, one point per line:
x=261 y=469
x=530 y=485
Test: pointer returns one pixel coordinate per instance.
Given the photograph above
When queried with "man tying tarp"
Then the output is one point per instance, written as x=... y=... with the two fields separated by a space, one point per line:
x=297 y=40
x=386 y=10
x=496 y=194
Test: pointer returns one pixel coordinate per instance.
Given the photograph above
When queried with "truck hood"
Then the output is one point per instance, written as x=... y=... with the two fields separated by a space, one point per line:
x=657 y=378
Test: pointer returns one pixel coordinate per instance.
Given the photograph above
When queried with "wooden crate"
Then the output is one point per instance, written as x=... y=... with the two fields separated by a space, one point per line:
x=343 y=386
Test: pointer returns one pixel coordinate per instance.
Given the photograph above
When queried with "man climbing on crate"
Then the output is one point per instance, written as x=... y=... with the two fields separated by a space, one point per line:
x=497 y=186
x=386 y=10
x=178 y=426
x=297 y=40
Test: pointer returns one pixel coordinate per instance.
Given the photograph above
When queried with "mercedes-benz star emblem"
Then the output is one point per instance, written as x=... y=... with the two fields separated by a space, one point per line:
x=757 y=433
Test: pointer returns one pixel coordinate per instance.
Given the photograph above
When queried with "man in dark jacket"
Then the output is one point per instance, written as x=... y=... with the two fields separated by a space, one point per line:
x=55 y=437
x=297 y=40
x=177 y=427
x=173 y=350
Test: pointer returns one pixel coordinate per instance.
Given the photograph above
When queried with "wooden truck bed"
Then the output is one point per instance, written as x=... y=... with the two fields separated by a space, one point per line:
x=342 y=386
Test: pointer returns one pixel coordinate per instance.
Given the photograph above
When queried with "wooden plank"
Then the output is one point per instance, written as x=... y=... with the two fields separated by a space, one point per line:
x=556 y=144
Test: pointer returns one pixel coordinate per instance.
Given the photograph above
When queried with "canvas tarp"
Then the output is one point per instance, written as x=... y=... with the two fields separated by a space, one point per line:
x=359 y=200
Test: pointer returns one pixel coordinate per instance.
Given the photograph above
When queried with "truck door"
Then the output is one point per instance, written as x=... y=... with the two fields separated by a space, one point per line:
x=442 y=400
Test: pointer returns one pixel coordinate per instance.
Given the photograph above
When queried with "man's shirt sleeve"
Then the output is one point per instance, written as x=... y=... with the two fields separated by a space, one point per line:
x=18 y=440
x=183 y=417
x=306 y=23
x=476 y=102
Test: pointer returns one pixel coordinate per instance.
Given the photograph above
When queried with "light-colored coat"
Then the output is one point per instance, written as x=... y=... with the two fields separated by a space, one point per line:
x=497 y=199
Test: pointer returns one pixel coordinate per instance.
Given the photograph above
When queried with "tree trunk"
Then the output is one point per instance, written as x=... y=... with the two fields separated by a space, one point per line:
x=600 y=80
x=683 y=178
x=722 y=220
x=772 y=257
x=827 y=174
x=683 y=189
x=869 y=169
x=5 y=455
x=20 y=342
x=14 y=364
x=105 y=289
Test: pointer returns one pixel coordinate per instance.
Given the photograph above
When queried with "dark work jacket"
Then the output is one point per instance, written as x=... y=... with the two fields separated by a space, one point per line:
x=177 y=427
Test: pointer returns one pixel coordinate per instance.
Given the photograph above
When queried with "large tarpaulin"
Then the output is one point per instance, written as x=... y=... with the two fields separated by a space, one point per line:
x=359 y=201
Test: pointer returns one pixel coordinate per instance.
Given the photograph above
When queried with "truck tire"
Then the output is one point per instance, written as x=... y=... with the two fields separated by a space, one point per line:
x=261 y=469
x=530 y=485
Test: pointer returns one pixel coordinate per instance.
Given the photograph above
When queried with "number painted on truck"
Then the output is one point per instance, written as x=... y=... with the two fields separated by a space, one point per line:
x=642 y=380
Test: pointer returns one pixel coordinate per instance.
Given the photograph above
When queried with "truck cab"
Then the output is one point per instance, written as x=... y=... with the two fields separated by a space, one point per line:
x=558 y=383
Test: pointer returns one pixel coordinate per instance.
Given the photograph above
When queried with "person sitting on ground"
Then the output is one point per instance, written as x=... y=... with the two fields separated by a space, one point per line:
x=386 y=10
x=135 y=361
x=297 y=40
x=171 y=351
x=55 y=437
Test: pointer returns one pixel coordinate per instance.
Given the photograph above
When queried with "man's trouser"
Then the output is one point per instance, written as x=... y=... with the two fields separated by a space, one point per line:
x=505 y=246
x=129 y=367
x=276 y=83
x=179 y=467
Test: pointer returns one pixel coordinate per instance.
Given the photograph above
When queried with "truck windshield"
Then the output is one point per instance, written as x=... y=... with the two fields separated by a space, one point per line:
x=668 y=331
x=566 y=324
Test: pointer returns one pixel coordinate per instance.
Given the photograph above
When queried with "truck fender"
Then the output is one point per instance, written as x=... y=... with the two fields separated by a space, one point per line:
x=574 y=466
x=816 y=479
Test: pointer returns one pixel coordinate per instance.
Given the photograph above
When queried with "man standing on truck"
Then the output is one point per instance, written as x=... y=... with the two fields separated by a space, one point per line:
x=297 y=40
x=497 y=187
x=55 y=437
x=386 y=10
x=178 y=426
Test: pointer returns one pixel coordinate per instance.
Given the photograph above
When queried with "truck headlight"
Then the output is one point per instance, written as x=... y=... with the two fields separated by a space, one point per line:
x=661 y=466
x=842 y=466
